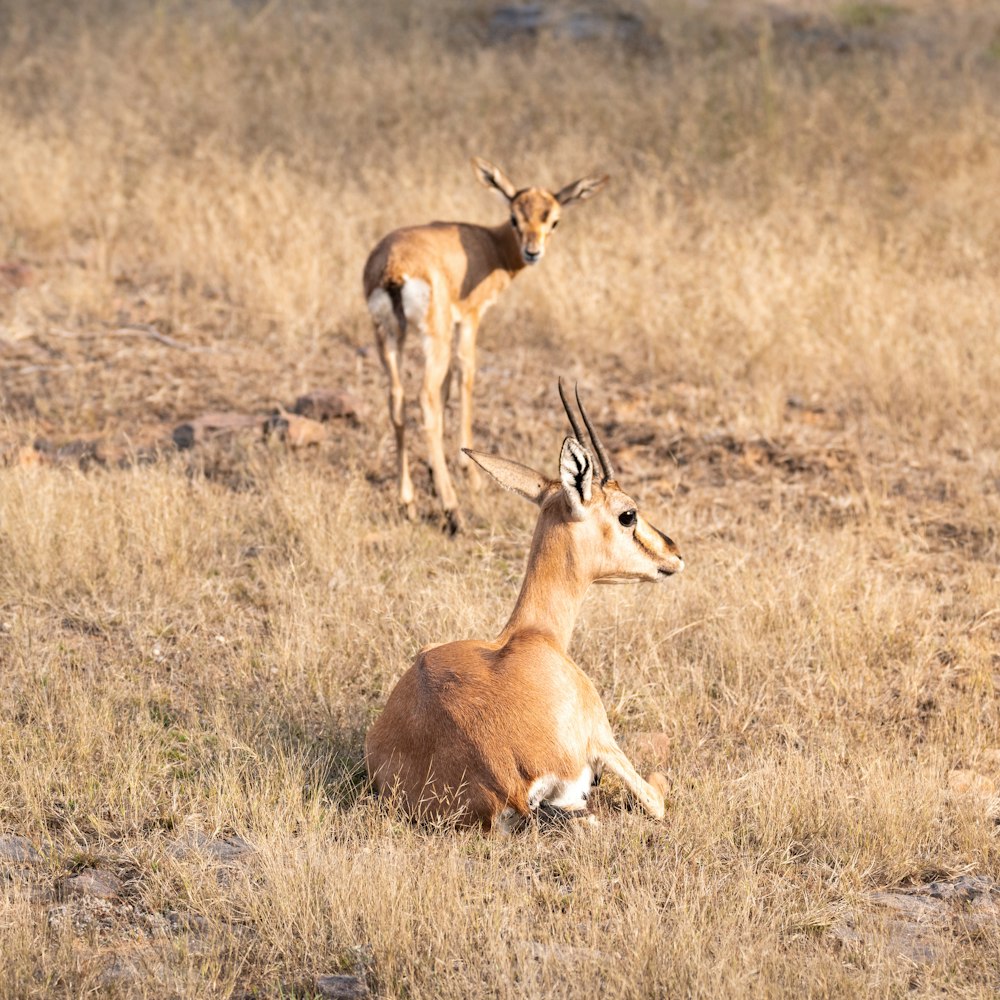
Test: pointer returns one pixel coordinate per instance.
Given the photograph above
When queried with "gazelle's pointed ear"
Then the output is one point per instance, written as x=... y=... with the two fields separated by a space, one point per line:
x=576 y=470
x=512 y=475
x=493 y=177
x=581 y=190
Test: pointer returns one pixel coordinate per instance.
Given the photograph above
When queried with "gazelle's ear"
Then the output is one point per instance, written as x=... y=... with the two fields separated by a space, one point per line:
x=512 y=475
x=576 y=470
x=493 y=177
x=581 y=190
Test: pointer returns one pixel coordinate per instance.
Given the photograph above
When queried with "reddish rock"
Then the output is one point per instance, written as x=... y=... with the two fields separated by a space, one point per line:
x=325 y=404
x=651 y=745
x=212 y=425
x=296 y=431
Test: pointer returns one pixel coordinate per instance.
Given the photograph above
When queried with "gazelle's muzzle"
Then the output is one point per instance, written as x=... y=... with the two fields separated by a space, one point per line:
x=674 y=565
x=662 y=548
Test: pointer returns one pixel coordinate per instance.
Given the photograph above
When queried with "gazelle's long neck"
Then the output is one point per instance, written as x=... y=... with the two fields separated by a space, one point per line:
x=507 y=248
x=553 y=588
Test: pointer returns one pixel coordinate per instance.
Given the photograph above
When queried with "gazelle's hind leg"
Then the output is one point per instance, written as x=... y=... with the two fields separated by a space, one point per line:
x=389 y=337
x=467 y=374
x=650 y=796
x=435 y=338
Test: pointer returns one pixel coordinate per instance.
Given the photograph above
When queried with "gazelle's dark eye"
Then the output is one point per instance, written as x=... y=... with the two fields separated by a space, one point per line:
x=513 y=221
x=554 y=224
x=627 y=518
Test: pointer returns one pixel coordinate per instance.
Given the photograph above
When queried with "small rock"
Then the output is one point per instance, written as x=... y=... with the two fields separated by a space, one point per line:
x=223 y=849
x=294 y=430
x=24 y=456
x=18 y=849
x=967 y=782
x=652 y=745
x=341 y=987
x=120 y=971
x=583 y=23
x=16 y=274
x=910 y=941
x=964 y=889
x=913 y=906
x=40 y=893
x=562 y=953
x=93 y=882
x=659 y=781
x=86 y=454
x=179 y=922
x=845 y=932
x=325 y=404
x=212 y=425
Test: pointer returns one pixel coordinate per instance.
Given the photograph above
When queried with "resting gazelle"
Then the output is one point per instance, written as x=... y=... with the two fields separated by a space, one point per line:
x=490 y=732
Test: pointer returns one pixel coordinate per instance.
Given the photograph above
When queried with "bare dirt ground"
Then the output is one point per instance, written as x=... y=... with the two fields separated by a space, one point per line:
x=784 y=314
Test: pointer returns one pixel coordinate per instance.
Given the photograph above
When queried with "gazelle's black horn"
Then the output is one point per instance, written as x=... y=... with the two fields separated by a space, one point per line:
x=574 y=423
x=602 y=455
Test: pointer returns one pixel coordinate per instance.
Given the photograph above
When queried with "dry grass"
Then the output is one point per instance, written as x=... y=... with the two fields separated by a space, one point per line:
x=787 y=307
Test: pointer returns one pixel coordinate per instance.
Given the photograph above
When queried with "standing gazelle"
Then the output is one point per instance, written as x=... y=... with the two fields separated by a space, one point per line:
x=441 y=278
x=489 y=732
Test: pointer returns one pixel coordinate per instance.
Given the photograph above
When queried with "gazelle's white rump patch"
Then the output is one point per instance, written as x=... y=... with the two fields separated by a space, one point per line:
x=560 y=793
x=416 y=295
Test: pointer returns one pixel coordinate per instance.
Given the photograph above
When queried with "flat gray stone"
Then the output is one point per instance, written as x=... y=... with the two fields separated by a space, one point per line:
x=18 y=849
x=342 y=987
x=222 y=849
x=910 y=941
x=562 y=953
x=964 y=889
x=911 y=905
x=93 y=882
x=122 y=970
x=845 y=932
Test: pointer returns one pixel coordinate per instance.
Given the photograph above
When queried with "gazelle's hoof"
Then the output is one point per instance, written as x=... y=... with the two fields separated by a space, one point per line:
x=660 y=787
x=408 y=510
x=453 y=521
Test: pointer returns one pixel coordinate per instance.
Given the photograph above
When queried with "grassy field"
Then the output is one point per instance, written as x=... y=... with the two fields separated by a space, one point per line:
x=784 y=312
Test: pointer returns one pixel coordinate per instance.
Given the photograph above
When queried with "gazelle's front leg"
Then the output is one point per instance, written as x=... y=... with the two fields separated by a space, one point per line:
x=650 y=796
x=467 y=330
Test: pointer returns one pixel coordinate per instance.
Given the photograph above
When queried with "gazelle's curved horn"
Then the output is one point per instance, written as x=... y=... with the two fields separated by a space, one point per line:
x=574 y=423
x=602 y=455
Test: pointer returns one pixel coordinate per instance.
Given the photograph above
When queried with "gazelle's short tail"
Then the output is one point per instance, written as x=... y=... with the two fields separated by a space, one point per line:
x=395 y=304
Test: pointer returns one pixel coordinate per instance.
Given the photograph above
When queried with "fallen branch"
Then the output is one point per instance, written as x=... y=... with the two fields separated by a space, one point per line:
x=141 y=330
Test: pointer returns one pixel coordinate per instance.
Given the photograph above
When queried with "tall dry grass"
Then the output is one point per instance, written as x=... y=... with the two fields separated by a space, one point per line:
x=199 y=644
